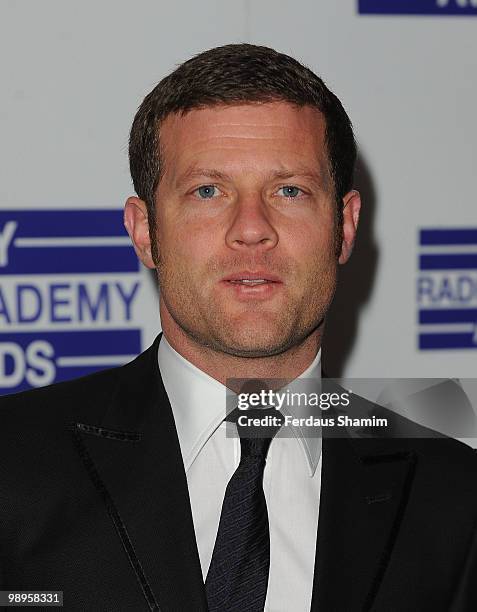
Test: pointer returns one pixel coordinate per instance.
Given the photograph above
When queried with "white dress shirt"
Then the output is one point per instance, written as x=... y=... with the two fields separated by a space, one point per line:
x=291 y=482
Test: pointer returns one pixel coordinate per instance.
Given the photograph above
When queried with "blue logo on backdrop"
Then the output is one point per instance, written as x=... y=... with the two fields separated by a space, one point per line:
x=447 y=289
x=70 y=279
x=417 y=7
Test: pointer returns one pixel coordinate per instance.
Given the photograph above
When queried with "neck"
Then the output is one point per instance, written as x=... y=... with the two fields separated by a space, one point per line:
x=222 y=366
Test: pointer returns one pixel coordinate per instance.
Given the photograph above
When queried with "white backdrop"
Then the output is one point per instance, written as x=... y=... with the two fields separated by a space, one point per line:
x=74 y=73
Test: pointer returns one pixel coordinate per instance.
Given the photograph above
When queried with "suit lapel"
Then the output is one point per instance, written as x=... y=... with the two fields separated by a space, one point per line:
x=134 y=460
x=363 y=496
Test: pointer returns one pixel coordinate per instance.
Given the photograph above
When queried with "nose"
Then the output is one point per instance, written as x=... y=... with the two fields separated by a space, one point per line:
x=251 y=226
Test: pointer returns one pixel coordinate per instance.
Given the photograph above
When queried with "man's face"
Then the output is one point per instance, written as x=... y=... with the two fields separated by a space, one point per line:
x=246 y=197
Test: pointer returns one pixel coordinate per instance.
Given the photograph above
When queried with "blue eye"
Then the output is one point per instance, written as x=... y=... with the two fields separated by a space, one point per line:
x=290 y=191
x=207 y=191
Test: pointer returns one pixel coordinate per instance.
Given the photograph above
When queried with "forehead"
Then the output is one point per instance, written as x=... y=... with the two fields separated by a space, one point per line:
x=273 y=132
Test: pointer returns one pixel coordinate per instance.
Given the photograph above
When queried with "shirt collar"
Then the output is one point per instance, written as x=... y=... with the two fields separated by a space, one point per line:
x=198 y=400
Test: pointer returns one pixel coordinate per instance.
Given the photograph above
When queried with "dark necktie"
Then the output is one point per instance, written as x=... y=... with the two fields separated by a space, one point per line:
x=238 y=574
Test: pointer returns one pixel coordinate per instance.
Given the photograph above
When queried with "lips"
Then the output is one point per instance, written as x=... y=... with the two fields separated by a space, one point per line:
x=252 y=279
x=247 y=286
x=250 y=282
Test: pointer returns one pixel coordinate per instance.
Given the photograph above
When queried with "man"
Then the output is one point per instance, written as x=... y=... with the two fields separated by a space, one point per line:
x=124 y=490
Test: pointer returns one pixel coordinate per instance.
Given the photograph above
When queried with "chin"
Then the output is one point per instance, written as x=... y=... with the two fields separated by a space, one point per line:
x=252 y=343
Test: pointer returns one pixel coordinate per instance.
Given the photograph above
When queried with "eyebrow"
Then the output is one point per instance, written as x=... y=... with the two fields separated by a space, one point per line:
x=202 y=172
x=303 y=172
x=211 y=173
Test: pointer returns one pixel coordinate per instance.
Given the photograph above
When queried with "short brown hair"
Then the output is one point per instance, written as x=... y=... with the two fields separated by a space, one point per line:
x=234 y=74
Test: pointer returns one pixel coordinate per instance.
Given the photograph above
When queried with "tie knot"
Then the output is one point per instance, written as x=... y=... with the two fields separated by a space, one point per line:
x=256 y=428
x=256 y=422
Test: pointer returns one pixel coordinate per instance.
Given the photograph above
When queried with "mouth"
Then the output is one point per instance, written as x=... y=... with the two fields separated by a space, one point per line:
x=250 y=282
x=256 y=285
x=252 y=278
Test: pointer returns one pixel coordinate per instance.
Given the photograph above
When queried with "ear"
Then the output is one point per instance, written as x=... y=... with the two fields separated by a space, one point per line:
x=137 y=225
x=351 y=208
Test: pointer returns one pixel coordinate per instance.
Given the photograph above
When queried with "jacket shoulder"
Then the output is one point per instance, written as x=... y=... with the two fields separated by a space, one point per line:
x=82 y=399
x=437 y=454
x=57 y=402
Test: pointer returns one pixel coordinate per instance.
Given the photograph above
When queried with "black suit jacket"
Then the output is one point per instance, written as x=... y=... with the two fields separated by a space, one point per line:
x=94 y=502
